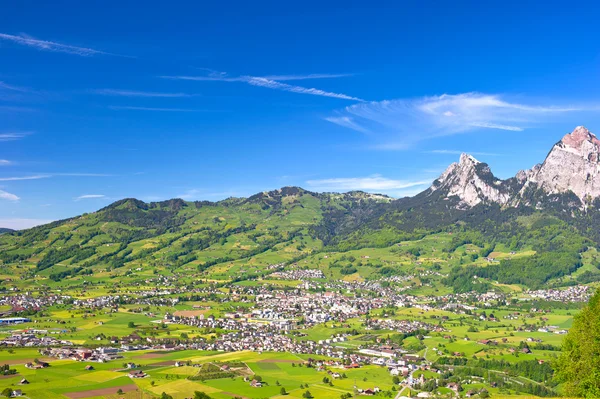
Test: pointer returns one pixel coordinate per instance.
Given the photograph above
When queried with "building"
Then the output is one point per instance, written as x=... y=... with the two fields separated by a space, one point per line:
x=14 y=320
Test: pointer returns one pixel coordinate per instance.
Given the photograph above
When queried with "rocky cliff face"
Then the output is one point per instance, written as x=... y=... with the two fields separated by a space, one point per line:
x=472 y=182
x=572 y=166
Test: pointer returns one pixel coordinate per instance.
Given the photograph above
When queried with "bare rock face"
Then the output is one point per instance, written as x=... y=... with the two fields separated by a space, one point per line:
x=572 y=164
x=571 y=167
x=472 y=182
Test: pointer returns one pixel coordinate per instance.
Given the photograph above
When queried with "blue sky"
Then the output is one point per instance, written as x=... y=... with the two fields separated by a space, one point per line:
x=103 y=100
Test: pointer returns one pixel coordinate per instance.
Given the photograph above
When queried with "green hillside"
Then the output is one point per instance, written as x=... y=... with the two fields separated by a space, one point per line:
x=351 y=236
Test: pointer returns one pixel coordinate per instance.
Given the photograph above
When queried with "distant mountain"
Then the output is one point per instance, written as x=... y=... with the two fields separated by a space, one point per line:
x=5 y=230
x=572 y=167
x=551 y=210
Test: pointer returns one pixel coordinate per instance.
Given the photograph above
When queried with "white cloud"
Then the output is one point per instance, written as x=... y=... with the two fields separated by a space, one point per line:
x=90 y=196
x=5 y=162
x=370 y=183
x=308 y=76
x=273 y=82
x=456 y=152
x=196 y=194
x=81 y=174
x=348 y=122
x=131 y=108
x=497 y=126
x=19 y=178
x=8 y=196
x=13 y=136
x=49 y=175
x=399 y=124
x=19 y=224
x=6 y=86
x=133 y=93
x=45 y=45
x=12 y=108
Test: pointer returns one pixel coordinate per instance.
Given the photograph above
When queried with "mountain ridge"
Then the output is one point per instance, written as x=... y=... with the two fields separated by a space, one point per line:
x=572 y=165
x=224 y=239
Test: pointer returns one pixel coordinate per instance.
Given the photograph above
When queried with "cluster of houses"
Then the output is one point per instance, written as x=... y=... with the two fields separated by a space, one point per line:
x=31 y=339
x=23 y=302
x=579 y=293
x=298 y=274
x=102 y=354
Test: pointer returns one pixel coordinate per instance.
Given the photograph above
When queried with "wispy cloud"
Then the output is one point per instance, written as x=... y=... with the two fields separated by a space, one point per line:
x=348 y=122
x=20 y=178
x=133 y=93
x=197 y=194
x=8 y=196
x=19 y=223
x=132 y=108
x=488 y=125
x=77 y=174
x=13 y=108
x=50 y=175
x=6 y=86
x=90 y=196
x=399 y=124
x=45 y=45
x=5 y=162
x=456 y=152
x=273 y=82
x=308 y=76
x=371 y=183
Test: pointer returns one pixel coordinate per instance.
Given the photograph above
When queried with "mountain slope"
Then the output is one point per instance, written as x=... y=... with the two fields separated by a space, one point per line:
x=239 y=238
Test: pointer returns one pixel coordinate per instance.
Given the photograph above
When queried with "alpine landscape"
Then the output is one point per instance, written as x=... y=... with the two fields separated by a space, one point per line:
x=169 y=230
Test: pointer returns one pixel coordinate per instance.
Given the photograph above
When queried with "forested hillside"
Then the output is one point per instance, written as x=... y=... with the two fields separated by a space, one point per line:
x=242 y=237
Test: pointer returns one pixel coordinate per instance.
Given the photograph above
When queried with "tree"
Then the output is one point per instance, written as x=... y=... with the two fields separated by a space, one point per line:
x=307 y=395
x=201 y=395
x=7 y=392
x=131 y=324
x=165 y=396
x=579 y=364
x=282 y=391
x=120 y=391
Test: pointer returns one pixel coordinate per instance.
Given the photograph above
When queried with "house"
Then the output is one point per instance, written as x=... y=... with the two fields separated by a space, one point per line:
x=89 y=367
x=453 y=386
x=24 y=382
x=16 y=393
x=137 y=374
x=255 y=384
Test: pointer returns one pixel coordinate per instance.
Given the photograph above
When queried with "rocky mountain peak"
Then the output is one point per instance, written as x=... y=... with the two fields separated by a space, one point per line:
x=466 y=159
x=579 y=138
x=573 y=164
x=471 y=181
